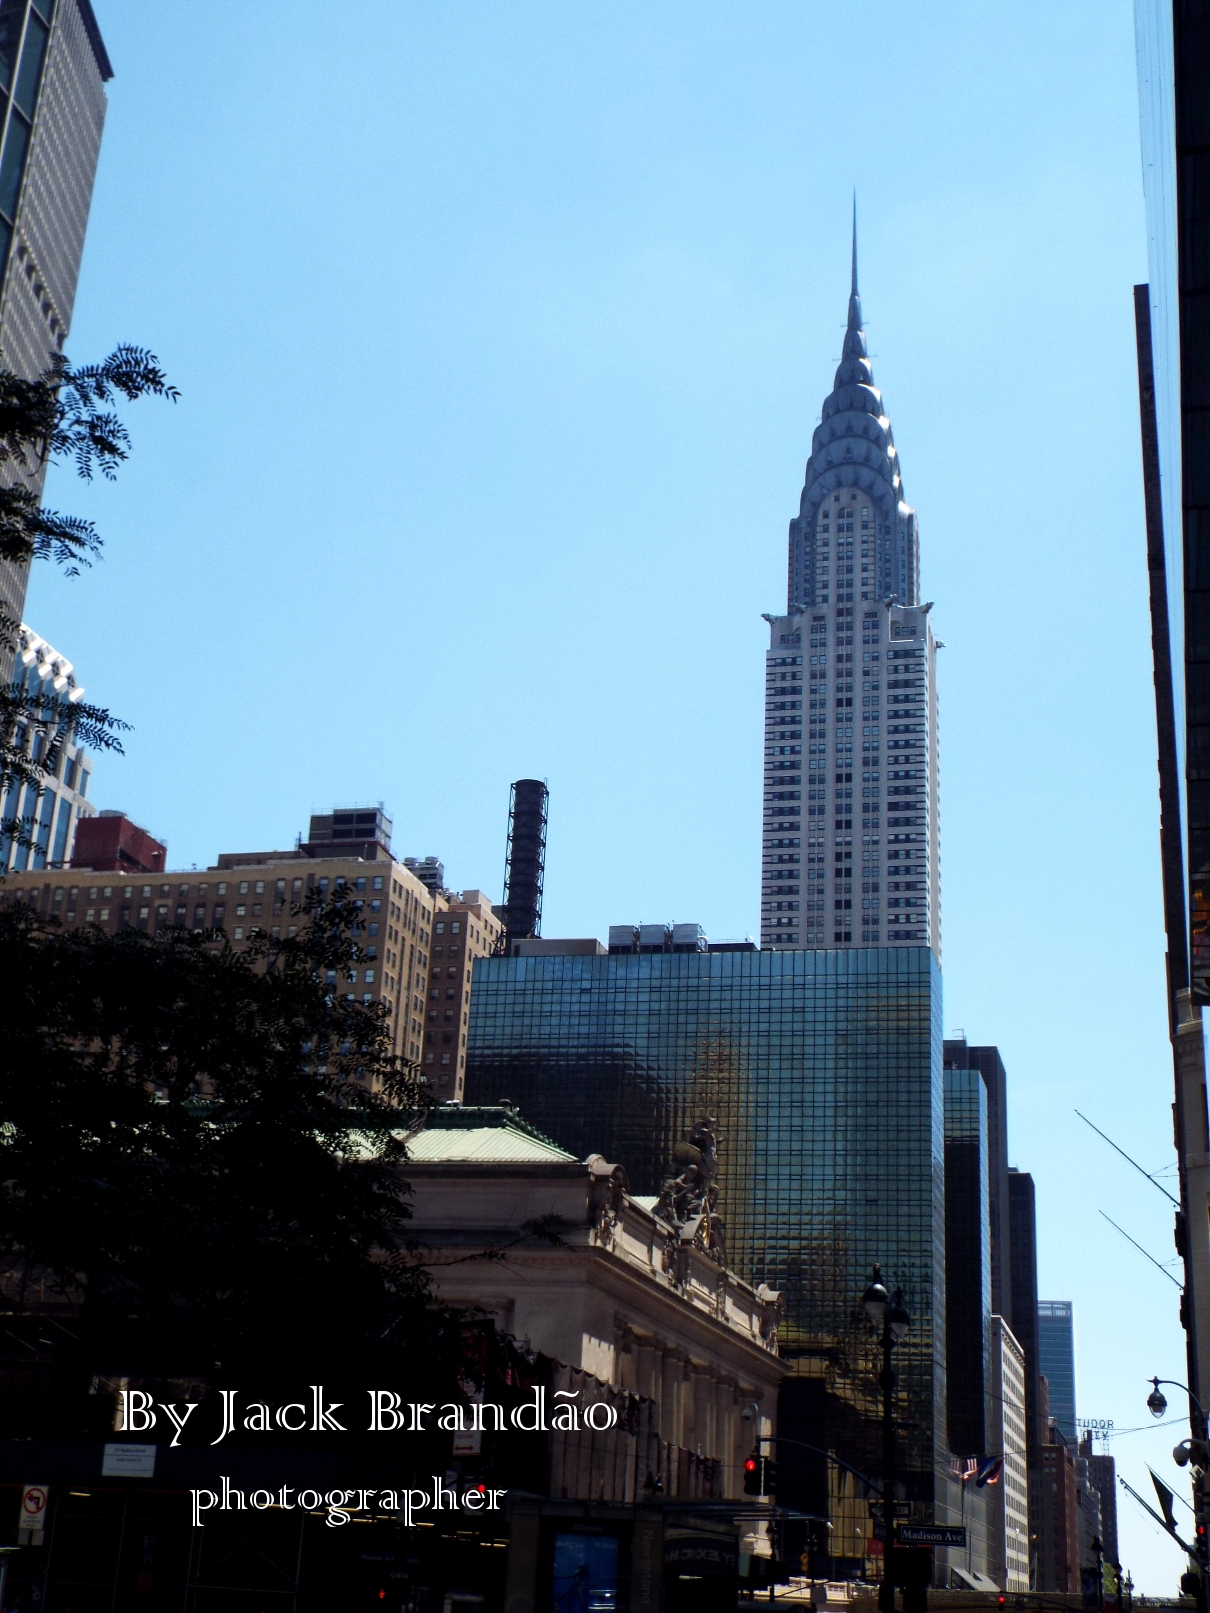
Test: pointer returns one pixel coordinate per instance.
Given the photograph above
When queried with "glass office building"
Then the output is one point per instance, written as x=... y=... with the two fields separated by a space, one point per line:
x=1057 y=1362
x=824 y=1072
x=967 y=1258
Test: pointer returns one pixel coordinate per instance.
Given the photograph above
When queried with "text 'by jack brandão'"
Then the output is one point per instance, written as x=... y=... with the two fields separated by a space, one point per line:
x=389 y=1413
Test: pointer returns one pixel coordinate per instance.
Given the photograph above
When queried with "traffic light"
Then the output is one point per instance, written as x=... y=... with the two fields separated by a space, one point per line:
x=752 y=1473
x=1199 y=1538
x=1191 y=1584
x=769 y=1482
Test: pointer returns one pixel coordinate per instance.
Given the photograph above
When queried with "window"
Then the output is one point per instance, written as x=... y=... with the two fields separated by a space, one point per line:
x=455 y=928
x=377 y=882
x=221 y=889
x=243 y=887
x=438 y=929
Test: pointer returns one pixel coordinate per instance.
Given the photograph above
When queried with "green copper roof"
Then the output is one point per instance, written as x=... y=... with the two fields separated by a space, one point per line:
x=455 y=1133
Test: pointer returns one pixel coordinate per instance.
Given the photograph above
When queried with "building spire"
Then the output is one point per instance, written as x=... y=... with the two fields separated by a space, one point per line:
x=853 y=287
x=854 y=325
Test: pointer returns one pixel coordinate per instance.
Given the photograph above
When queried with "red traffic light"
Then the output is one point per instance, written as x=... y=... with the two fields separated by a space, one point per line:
x=750 y=1465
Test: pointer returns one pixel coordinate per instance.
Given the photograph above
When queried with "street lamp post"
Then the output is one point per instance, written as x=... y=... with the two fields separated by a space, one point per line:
x=888 y=1314
x=1195 y=1452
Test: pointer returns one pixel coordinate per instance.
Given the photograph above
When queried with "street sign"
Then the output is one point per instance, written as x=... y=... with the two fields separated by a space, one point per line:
x=32 y=1521
x=128 y=1462
x=33 y=1506
x=903 y=1509
x=929 y=1534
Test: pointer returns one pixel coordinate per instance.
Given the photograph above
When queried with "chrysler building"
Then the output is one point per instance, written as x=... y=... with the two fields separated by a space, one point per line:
x=850 y=833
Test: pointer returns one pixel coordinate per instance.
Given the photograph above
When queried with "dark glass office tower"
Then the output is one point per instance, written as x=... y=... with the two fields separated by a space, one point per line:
x=1057 y=1362
x=824 y=1072
x=1023 y=1236
x=967 y=1260
x=960 y=1056
x=53 y=69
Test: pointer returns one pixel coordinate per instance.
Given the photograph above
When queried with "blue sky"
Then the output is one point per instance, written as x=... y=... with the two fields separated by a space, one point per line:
x=501 y=333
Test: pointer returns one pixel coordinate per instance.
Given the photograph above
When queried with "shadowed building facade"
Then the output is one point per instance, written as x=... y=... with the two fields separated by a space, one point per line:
x=823 y=1070
x=53 y=69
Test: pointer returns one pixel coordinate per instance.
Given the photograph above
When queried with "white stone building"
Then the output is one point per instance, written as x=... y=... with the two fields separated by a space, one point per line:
x=1007 y=1500
x=41 y=817
x=571 y=1264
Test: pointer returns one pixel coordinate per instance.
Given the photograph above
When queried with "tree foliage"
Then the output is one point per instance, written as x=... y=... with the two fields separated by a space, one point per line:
x=200 y=1150
x=66 y=413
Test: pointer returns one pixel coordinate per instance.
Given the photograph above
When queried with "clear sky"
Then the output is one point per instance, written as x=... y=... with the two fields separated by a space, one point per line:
x=501 y=332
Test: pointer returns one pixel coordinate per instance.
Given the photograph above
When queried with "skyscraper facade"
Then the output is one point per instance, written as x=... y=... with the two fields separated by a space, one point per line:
x=1023 y=1237
x=822 y=1070
x=53 y=69
x=1008 y=1501
x=850 y=836
x=968 y=1308
x=1057 y=1363
x=959 y=1055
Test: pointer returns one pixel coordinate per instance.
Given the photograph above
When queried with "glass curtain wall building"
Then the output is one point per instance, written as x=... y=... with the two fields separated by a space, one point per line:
x=823 y=1071
x=967 y=1259
x=1057 y=1363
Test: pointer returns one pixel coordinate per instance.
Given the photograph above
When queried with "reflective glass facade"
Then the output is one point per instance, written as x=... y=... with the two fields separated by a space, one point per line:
x=824 y=1072
x=1057 y=1362
x=968 y=1257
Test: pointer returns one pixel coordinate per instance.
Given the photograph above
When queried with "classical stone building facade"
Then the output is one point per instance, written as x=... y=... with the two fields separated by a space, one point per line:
x=620 y=1287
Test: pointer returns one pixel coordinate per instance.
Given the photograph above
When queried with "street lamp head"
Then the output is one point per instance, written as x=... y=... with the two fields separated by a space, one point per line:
x=1181 y=1453
x=1156 y=1403
x=876 y=1299
x=898 y=1317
